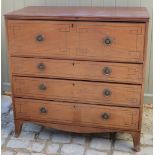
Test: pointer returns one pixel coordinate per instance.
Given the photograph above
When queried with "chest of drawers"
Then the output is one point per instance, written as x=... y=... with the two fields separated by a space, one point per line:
x=78 y=69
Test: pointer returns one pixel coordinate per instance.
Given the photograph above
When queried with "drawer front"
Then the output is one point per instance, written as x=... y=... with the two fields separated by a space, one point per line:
x=43 y=110
x=107 y=116
x=84 y=70
x=78 y=114
x=111 y=41
x=38 y=38
x=77 y=40
x=87 y=92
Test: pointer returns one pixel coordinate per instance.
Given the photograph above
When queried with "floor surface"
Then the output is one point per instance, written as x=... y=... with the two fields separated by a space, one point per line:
x=37 y=140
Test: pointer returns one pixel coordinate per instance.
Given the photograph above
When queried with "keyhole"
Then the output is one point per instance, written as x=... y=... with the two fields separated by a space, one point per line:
x=72 y=25
x=73 y=84
x=73 y=63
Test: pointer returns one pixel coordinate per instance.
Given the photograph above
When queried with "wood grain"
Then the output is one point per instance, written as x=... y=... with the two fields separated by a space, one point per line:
x=85 y=92
x=82 y=40
x=80 y=70
x=135 y=14
x=76 y=128
x=77 y=113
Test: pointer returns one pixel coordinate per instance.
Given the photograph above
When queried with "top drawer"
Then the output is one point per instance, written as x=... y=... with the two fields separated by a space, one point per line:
x=100 y=41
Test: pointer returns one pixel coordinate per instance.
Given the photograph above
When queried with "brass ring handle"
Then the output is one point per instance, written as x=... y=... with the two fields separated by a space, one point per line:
x=43 y=110
x=42 y=87
x=108 y=41
x=107 y=92
x=105 y=116
x=39 y=38
x=107 y=70
x=41 y=66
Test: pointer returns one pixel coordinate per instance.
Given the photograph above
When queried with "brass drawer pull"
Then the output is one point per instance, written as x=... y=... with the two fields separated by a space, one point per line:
x=41 y=66
x=107 y=41
x=107 y=71
x=39 y=38
x=42 y=87
x=107 y=92
x=105 y=116
x=43 y=110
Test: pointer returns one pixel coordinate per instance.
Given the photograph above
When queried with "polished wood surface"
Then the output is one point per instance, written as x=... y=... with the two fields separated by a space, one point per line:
x=77 y=113
x=136 y=14
x=79 y=70
x=55 y=111
x=82 y=40
x=86 y=92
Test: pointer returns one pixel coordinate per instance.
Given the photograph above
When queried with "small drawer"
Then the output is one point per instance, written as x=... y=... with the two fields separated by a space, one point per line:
x=78 y=91
x=83 y=70
x=111 y=41
x=77 y=114
x=37 y=38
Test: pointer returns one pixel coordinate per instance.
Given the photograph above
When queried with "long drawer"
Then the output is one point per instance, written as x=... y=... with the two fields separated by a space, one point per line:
x=81 y=114
x=78 y=91
x=84 y=70
x=77 y=40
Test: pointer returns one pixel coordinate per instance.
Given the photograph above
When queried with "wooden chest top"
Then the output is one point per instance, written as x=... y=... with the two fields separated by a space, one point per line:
x=81 y=13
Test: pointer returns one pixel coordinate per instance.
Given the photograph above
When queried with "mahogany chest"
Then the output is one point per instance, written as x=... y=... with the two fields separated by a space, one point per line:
x=78 y=69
